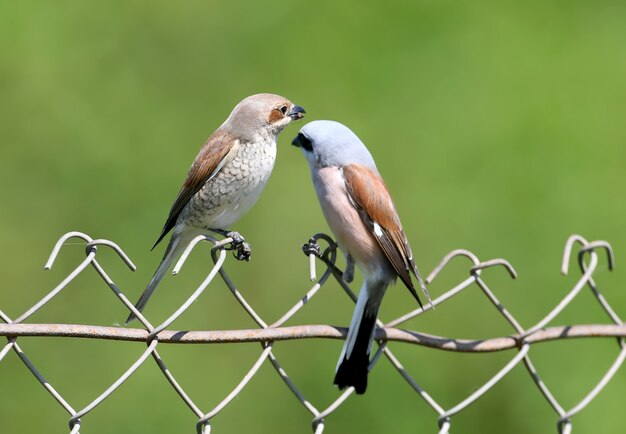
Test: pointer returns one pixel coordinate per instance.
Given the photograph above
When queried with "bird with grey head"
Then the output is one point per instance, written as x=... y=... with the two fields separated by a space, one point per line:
x=225 y=179
x=360 y=213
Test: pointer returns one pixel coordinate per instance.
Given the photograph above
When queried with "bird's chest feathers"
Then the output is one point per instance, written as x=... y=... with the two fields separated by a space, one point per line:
x=252 y=163
x=245 y=175
x=235 y=188
x=341 y=215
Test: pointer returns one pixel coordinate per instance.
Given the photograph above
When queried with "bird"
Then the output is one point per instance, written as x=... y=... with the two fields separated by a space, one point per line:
x=225 y=179
x=361 y=214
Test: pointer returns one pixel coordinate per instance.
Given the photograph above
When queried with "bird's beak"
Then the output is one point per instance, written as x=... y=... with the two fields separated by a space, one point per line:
x=296 y=112
x=296 y=141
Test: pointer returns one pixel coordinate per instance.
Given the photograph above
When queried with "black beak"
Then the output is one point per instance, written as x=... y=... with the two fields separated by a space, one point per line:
x=296 y=113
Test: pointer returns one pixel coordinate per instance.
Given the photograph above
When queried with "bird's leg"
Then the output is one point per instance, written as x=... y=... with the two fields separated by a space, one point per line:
x=348 y=274
x=312 y=248
x=241 y=249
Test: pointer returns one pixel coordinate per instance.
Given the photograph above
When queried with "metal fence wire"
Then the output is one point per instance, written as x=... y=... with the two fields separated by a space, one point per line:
x=269 y=332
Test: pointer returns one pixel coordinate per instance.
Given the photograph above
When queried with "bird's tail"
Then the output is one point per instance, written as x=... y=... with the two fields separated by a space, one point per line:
x=354 y=360
x=177 y=243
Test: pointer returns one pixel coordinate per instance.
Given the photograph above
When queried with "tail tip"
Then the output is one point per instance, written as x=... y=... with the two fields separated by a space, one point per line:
x=130 y=319
x=352 y=373
x=359 y=386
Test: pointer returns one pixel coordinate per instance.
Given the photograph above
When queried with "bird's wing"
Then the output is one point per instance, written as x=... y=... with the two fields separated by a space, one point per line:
x=217 y=151
x=370 y=196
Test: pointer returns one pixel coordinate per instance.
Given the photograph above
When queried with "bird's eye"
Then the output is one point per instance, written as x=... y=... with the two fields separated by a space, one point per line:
x=283 y=109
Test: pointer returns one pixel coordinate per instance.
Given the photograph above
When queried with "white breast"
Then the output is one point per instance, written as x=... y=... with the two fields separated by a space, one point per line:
x=344 y=220
x=231 y=193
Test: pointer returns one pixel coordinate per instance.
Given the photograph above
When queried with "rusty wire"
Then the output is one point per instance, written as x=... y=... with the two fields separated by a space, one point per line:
x=267 y=334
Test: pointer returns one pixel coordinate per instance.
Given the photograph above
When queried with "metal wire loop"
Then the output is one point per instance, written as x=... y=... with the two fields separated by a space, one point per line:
x=269 y=333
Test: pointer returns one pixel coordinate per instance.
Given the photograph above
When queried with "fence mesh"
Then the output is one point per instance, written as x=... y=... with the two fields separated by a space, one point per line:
x=519 y=342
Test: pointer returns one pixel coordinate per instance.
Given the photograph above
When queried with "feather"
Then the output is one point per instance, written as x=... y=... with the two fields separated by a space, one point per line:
x=370 y=196
x=216 y=152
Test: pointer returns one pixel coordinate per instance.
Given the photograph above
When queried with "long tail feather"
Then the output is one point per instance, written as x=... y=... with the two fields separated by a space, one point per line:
x=176 y=245
x=354 y=359
x=421 y=283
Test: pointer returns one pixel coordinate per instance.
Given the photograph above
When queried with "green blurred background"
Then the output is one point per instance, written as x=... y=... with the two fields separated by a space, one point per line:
x=498 y=127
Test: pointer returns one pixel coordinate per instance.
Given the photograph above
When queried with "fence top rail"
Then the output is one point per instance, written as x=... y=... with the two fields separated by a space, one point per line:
x=314 y=331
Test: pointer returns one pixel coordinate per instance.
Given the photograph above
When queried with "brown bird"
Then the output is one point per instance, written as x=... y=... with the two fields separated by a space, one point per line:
x=226 y=178
x=361 y=214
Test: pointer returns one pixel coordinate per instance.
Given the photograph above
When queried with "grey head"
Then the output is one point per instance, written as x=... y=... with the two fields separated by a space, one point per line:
x=263 y=114
x=332 y=144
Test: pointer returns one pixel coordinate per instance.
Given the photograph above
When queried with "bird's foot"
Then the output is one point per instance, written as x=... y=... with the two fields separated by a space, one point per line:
x=241 y=250
x=348 y=274
x=312 y=248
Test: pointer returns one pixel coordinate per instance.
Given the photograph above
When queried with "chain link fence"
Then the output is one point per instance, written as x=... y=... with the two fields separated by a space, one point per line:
x=519 y=342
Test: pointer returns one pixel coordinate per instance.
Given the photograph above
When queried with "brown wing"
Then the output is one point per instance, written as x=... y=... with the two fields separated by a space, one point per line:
x=373 y=201
x=207 y=164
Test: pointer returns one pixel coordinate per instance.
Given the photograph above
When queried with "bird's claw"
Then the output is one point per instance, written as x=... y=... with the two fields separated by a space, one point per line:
x=241 y=250
x=312 y=248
